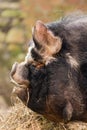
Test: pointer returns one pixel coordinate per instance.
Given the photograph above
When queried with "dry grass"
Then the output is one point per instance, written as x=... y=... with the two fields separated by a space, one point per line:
x=20 y=117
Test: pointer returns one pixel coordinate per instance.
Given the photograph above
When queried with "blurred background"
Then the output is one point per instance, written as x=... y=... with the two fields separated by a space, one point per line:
x=16 y=20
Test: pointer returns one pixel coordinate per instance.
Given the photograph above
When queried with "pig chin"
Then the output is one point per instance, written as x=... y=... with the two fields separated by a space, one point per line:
x=19 y=77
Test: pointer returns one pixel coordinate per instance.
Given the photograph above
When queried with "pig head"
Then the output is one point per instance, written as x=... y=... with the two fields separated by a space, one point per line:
x=52 y=79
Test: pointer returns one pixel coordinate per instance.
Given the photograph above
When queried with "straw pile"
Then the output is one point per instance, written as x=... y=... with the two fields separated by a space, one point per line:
x=19 y=117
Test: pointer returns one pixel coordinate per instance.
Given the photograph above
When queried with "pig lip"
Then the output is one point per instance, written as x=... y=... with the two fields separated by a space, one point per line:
x=16 y=92
x=21 y=86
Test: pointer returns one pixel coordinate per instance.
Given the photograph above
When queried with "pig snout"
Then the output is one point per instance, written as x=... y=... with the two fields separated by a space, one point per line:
x=19 y=75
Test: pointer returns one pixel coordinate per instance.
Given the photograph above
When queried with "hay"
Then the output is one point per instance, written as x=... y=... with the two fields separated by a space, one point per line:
x=19 y=117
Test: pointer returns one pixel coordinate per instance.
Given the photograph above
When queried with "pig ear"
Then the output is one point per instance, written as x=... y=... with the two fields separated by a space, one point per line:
x=46 y=42
x=53 y=46
x=54 y=43
x=43 y=37
x=39 y=32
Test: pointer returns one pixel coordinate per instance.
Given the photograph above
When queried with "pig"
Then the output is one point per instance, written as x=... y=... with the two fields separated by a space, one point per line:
x=54 y=72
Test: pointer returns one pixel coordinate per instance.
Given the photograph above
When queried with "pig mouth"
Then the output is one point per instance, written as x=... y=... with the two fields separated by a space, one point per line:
x=21 y=91
x=22 y=94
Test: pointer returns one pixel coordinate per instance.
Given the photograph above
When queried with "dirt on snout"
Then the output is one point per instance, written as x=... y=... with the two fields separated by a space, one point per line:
x=19 y=117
